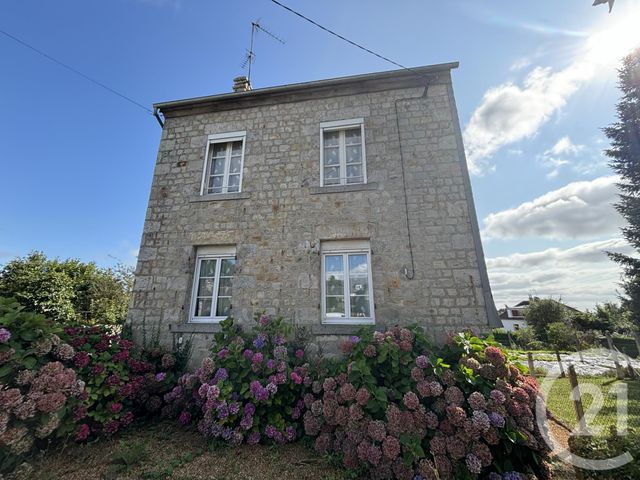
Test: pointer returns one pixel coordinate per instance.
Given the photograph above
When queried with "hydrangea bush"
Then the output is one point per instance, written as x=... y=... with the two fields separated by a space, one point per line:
x=123 y=381
x=250 y=390
x=396 y=408
x=36 y=389
x=80 y=381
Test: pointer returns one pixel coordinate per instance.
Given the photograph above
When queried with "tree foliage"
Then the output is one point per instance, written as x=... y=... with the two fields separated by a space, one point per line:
x=68 y=290
x=624 y=153
x=543 y=311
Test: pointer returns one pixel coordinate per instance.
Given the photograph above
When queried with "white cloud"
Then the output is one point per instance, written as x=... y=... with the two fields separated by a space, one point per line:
x=577 y=210
x=582 y=275
x=556 y=157
x=509 y=112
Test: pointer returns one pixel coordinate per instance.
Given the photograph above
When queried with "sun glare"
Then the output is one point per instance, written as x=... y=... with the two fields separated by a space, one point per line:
x=608 y=46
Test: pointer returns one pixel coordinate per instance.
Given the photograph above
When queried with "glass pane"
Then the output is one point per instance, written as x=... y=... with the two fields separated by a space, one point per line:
x=226 y=287
x=358 y=264
x=354 y=154
x=360 y=306
x=208 y=268
x=333 y=263
x=354 y=174
x=359 y=285
x=335 y=284
x=331 y=156
x=224 y=307
x=218 y=166
x=335 y=306
x=203 y=307
x=215 y=182
x=236 y=148
x=205 y=288
x=331 y=139
x=228 y=267
x=331 y=175
x=352 y=136
x=234 y=181
x=236 y=163
x=219 y=149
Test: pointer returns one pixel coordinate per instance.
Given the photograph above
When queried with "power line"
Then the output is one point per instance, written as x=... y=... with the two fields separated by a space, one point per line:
x=77 y=72
x=341 y=37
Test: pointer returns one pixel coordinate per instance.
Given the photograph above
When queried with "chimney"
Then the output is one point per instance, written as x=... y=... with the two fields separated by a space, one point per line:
x=241 y=84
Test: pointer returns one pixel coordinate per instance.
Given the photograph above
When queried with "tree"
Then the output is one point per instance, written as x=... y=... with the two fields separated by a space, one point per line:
x=543 y=311
x=625 y=161
x=68 y=290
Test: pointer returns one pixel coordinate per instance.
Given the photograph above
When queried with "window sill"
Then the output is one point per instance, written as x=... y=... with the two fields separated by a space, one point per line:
x=357 y=187
x=216 y=197
x=339 y=329
x=195 y=327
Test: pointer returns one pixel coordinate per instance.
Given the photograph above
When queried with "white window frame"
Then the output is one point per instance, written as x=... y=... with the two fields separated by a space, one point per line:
x=345 y=248
x=209 y=253
x=208 y=163
x=343 y=125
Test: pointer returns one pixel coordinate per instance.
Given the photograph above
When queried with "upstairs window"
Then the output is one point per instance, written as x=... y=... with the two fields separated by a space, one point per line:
x=224 y=162
x=347 y=295
x=213 y=284
x=342 y=158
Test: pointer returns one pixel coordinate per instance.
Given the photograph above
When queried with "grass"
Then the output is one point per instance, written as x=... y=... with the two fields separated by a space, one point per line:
x=166 y=451
x=603 y=416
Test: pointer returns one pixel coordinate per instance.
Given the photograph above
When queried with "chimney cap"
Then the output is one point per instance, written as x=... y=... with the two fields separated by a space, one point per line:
x=241 y=84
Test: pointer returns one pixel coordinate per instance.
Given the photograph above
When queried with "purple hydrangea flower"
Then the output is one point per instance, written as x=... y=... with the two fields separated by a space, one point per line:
x=290 y=433
x=248 y=354
x=5 y=335
x=253 y=438
x=234 y=408
x=264 y=320
x=354 y=339
x=160 y=376
x=223 y=353
x=221 y=375
x=272 y=388
x=279 y=340
x=270 y=431
x=223 y=410
x=271 y=364
x=496 y=420
x=249 y=409
x=260 y=341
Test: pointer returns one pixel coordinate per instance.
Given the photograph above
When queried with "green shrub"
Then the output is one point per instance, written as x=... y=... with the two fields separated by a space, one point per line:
x=397 y=408
x=561 y=335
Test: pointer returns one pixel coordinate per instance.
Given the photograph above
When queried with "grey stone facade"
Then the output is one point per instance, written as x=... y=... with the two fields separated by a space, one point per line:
x=283 y=214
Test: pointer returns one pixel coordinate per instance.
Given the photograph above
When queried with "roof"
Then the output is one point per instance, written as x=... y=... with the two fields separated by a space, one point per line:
x=319 y=88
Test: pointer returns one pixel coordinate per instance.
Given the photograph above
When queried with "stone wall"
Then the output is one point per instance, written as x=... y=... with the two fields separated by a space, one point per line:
x=282 y=216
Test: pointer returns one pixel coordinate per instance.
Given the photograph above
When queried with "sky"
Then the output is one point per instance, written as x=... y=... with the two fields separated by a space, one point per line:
x=537 y=83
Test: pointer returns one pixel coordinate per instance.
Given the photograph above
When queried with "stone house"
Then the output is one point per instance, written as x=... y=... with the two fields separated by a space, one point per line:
x=334 y=203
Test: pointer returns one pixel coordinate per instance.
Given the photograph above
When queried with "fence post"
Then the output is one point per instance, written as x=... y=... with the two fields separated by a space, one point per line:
x=511 y=344
x=632 y=372
x=562 y=374
x=579 y=348
x=532 y=369
x=637 y=337
x=612 y=347
x=577 y=401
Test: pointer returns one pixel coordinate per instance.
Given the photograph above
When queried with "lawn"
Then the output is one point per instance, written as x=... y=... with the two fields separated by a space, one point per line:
x=164 y=450
x=560 y=403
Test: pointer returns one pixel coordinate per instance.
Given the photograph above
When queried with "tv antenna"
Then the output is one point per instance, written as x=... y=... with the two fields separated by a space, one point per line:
x=250 y=55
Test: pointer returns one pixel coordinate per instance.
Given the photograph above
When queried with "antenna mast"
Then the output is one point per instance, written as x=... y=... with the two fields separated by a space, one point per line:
x=250 y=55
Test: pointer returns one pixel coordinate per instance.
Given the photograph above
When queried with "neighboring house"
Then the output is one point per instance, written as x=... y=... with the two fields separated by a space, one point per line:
x=335 y=203
x=514 y=318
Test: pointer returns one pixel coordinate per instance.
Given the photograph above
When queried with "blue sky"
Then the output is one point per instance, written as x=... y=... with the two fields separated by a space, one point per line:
x=536 y=84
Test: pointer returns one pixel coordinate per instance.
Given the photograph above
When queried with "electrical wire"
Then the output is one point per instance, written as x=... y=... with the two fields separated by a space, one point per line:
x=341 y=37
x=77 y=72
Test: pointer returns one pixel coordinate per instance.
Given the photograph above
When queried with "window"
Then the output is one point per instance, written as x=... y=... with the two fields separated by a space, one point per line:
x=213 y=284
x=342 y=156
x=347 y=295
x=223 y=163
